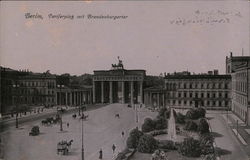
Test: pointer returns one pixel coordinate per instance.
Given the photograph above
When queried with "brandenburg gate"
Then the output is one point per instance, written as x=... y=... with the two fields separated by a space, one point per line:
x=118 y=85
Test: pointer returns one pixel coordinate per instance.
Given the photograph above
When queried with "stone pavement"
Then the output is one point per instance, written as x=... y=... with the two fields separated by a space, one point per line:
x=242 y=132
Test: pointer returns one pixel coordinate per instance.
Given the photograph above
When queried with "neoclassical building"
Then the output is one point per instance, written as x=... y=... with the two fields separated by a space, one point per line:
x=239 y=68
x=73 y=95
x=211 y=91
x=118 y=85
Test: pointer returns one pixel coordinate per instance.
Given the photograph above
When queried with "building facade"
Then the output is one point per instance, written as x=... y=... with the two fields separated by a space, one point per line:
x=36 y=89
x=211 y=91
x=118 y=85
x=155 y=96
x=73 y=95
x=240 y=71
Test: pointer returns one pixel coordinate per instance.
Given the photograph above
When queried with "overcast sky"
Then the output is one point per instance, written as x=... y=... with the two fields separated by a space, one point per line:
x=150 y=38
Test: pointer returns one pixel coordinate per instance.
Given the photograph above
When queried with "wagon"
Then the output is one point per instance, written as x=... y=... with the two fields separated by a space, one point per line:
x=62 y=147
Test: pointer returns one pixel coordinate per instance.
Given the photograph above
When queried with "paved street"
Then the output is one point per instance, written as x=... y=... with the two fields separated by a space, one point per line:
x=228 y=147
x=101 y=130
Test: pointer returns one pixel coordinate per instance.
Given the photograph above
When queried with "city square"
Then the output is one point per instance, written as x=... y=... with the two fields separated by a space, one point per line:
x=124 y=80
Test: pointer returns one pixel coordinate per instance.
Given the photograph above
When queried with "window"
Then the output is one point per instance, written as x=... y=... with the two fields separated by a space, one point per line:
x=226 y=95
x=208 y=95
x=190 y=95
x=208 y=103
x=214 y=103
x=202 y=86
x=196 y=95
x=179 y=94
x=185 y=86
x=226 y=103
x=185 y=102
x=190 y=85
x=220 y=95
x=179 y=102
x=185 y=94
x=214 y=95
x=202 y=95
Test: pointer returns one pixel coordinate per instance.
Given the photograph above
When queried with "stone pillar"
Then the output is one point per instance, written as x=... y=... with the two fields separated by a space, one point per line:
x=75 y=98
x=132 y=92
x=70 y=98
x=102 y=91
x=141 y=91
x=93 y=91
x=158 y=99
x=123 y=92
x=163 y=100
x=66 y=98
x=110 y=92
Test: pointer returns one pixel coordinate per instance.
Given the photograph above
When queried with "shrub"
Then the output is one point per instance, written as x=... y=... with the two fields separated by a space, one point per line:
x=202 y=112
x=192 y=114
x=35 y=131
x=133 y=138
x=180 y=118
x=158 y=132
x=196 y=113
x=161 y=123
x=191 y=126
x=203 y=126
x=147 y=144
x=148 y=125
x=209 y=157
x=163 y=112
x=190 y=147
x=206 y=144
x=167 y=144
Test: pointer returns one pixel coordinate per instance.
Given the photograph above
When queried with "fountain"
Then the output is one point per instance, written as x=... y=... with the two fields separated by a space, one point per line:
x=171 y=127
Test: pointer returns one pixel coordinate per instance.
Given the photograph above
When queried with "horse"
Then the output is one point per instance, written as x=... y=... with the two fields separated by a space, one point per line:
x=69 y=143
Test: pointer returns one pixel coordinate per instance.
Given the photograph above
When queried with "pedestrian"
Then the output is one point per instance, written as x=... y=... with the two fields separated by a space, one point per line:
x=113 y=148
x=100 y=154
x=122 y=134
x=68 y=125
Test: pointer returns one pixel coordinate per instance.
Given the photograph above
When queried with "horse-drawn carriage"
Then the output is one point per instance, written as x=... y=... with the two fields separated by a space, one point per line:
x=51 y=120
x=63 y=147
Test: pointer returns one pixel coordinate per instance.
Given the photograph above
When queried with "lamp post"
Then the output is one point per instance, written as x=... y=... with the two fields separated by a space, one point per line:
x=60 y=102
x=82 y=109
x=16 y=86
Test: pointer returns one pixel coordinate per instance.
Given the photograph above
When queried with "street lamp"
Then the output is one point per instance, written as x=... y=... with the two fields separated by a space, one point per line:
x=16 y=86
x=82 y=109
x=60 y=102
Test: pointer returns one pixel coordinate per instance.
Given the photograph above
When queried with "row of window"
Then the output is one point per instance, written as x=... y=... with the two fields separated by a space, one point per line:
x=197 y=95
x=240 y=86
x=33 y=91
x=240 y=99
x=206 y=103
x=174 y=86
x=239 y=111
x=50 y=84
x=32 y=100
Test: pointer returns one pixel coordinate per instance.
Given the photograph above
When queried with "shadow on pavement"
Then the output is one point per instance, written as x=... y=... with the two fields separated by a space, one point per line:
x=209 y=118
x=215 y=134
x=221 y=151
x=73 y=152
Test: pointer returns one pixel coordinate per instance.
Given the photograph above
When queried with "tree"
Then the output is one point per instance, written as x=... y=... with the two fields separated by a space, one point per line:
x=161 y=123
x=191 y=126
x=202 y=112
x=206 y=144
x=180 y=118
x=190 y=147
x=203 y=126
x=133 y=138
x=148 y=125
x=147 y=144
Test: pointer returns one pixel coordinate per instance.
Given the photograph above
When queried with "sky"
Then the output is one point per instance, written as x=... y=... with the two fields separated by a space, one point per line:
x=153 y=37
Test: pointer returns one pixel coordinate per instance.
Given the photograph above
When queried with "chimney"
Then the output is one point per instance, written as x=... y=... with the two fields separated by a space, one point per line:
x=210 y=72
x=216 y=72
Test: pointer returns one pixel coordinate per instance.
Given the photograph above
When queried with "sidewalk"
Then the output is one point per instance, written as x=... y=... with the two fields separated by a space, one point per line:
x=242 y=132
